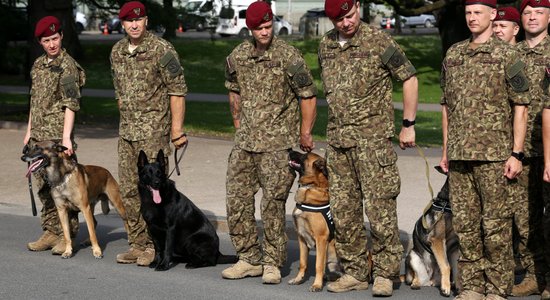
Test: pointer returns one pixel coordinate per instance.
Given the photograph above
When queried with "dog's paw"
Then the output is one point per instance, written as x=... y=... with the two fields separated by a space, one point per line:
x=97 y=254
x=315 y=288
x=66 y=255
x=162 y=267
x=445 y=292
x=296 y=281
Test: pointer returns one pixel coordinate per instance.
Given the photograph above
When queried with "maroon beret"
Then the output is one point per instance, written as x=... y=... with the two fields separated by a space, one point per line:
x=47 y=26
x=335 y=9
x=258 y=13
x=507 y=13
x=132 y=10
x=534 y=3
x=490 y=3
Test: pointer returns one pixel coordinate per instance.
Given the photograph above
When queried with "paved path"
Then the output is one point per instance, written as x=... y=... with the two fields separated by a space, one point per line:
x=203 y=173
x=107 y=93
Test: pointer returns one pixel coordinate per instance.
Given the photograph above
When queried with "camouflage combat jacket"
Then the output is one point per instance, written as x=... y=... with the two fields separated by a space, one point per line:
x=357 y=79
x=537 y=71
x=144 y=80
x=55 y=86
x=480 y=88
x=269 y=84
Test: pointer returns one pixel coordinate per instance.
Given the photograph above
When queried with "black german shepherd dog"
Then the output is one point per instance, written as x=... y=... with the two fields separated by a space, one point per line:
x=180 y=230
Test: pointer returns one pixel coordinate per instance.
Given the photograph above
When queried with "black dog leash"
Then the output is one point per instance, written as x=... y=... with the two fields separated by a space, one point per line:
x=33 y=203
x=178 y=159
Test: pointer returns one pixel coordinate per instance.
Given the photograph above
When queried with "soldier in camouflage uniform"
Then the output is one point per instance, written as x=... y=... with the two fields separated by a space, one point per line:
x=55 y=94
x=265 y=77
x=484 y=88
x=358 y=63
x=506 y=24
x=527 y=194
x=150 y=90
x=546 y=176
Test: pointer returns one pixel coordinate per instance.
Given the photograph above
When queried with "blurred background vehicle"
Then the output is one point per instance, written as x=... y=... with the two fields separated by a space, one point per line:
x=113 y=24
x=81 y=22
x=311 y=16
x=425 y=20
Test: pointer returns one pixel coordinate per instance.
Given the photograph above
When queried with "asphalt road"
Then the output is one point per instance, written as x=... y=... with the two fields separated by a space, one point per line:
x=40 y=275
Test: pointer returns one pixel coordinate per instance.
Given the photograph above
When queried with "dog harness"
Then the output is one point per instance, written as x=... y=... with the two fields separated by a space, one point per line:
x=325 y=211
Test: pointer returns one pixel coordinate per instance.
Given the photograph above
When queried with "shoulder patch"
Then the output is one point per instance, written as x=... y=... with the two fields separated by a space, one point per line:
x=517 y=78
x=171 y=64
x=294 y=67
x=387 y=55
x=70 y=86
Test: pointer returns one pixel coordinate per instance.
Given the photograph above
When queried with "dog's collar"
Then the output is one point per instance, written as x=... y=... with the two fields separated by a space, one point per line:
x=325 y=211
x=444 y=206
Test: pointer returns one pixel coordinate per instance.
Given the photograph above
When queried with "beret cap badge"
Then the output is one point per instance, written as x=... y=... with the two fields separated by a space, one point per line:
x=52 y=27
x=345 y=6
x=137 y=11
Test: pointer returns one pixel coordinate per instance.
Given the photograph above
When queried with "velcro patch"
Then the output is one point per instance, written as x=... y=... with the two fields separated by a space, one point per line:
x=517 y=78
x=393 y=58
x=171 y=64
x=302 y=79
x=70 y=87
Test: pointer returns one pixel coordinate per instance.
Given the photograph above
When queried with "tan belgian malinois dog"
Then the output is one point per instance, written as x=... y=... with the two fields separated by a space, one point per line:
x=313 y=220
x=76 y=187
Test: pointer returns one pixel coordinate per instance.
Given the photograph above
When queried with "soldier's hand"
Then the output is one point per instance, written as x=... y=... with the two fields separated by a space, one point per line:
x=512 y=168
x=306 y=142
x=67 y=143
x=546 y=174
x=179 y=140
x=407 y=137
x=444 y=164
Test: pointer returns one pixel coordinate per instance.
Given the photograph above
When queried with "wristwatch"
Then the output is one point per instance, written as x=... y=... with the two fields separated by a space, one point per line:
x=407 y=123
x=519 y=155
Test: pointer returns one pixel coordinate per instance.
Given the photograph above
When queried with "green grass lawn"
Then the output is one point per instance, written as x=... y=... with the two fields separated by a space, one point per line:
x=204 y=62
x=205 y=118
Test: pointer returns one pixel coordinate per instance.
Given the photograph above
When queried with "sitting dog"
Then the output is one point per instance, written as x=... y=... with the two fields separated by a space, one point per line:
x=76 y=187
x=313 y=220
x=180 y=230
x=434 y=244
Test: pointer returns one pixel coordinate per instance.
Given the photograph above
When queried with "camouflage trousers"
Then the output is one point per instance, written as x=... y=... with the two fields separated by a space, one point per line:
x=482 y=220
x=366 y=178
x=247 y=172
x=526 y=196
x=49 y=218
x=128 y=152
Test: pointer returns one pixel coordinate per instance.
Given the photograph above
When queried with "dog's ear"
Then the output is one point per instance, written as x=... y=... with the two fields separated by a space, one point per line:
x=59 y=148
x=161 y=160
x=142 y=159
x=321 y=165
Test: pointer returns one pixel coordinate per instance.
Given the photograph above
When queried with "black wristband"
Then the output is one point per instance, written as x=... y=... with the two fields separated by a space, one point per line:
x=407 y=123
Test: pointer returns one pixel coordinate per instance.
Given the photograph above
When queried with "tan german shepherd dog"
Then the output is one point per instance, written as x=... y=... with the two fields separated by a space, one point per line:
x=76 y=187
x=312 y=219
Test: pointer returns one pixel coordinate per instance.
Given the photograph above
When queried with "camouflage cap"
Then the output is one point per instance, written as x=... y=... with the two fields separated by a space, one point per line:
x=47 y=26
x=335 y=9
x=490 y=3
x=534 y=3
x=258 y=13
x=507 y=13
x=132 y=10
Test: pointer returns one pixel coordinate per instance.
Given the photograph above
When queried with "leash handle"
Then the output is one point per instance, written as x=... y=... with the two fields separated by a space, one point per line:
x=33 y=203
x=178 y=159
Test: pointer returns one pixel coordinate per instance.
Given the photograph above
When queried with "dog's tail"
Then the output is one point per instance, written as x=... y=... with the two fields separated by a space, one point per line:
x=227 y=259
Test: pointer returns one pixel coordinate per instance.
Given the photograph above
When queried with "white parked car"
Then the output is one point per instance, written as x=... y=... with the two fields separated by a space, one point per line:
x=237 y=25
x=425 y=20
x=81 y=22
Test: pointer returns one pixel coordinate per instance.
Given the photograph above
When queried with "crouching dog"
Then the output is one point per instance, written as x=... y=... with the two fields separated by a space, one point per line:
x=74 y=187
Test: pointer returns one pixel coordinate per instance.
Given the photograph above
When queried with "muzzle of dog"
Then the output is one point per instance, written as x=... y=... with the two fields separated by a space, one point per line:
x=36 y=157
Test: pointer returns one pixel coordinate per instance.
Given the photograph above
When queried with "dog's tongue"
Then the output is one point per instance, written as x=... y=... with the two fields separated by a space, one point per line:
x=33 y=167
x=156 y=195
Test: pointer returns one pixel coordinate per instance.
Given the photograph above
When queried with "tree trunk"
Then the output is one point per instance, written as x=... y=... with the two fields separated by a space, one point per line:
x=452 y=25
x=61 y=9
x=169 y=21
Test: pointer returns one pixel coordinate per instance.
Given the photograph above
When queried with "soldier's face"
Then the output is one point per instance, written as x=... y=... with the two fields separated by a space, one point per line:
x=135 y=29
x=506 y=30
x=479 y=17
x=52 y=44
x=535 y=19
x=348 y=24
x=263 y=35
